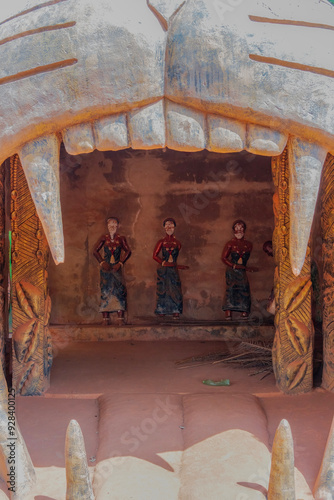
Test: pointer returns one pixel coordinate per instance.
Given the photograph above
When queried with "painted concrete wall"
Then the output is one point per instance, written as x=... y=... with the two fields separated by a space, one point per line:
x=205 y=192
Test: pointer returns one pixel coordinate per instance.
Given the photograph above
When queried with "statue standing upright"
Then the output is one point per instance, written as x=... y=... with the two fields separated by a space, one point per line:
x=235 y=255
x=169 y=294
x=116 y=252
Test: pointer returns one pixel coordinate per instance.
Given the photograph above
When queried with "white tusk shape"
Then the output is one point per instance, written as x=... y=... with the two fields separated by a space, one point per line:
x=11 y=440
x=282 y=475
x=40 y=162
x=78 y=483
x=306 y=160
x=324 y=485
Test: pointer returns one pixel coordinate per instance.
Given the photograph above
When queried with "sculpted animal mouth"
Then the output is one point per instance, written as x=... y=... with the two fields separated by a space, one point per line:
x=186 y=75
x=222 y=75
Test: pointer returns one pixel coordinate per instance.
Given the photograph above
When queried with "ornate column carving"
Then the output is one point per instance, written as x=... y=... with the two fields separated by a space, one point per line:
x=3 y=278
x=327 y=227
x=32 y=351
x=293 y=344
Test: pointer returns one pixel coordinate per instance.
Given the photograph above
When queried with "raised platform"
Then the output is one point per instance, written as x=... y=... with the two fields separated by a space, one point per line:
x=166 y=330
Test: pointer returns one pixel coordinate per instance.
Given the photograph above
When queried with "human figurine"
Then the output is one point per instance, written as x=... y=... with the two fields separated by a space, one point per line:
x=116 y=252
x=235 y=255
x=169 y=294
x=268 y=249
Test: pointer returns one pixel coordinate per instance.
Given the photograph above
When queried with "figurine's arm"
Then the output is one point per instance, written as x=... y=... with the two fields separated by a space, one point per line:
x=226 y=254
x=96 y=252
x=156 y=252
x=97 y=248
x=126 y=248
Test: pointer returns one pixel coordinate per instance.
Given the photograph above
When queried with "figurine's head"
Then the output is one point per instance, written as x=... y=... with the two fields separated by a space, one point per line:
x=169 y=225
x=112 y=224
x=268 y=248
x=239 y=228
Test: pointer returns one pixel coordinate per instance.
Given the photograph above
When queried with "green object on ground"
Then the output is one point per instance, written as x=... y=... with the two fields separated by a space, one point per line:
x=224 y=381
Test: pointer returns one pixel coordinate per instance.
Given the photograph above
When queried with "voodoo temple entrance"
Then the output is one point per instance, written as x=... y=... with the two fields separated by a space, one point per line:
x=164 y=245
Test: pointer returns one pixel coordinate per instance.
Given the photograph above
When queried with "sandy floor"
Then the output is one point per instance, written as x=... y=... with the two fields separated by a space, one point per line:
x=154 y=431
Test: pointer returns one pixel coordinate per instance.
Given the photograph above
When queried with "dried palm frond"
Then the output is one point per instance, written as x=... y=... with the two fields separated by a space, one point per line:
x=251 y=354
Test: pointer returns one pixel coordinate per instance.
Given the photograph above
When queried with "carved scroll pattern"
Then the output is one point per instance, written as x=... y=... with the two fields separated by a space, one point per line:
x=32 y=350
x=327 y=226
x=3 y=280
x=293 y=344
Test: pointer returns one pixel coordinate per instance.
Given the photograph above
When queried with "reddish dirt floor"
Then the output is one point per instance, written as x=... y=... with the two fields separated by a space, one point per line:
x=154 y=431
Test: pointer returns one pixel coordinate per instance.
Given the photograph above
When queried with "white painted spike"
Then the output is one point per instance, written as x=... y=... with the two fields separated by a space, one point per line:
x=306 y=160
x=282 y=475
x=24 y=483
x=78 y=483
x=40 y=162
x=324 y=485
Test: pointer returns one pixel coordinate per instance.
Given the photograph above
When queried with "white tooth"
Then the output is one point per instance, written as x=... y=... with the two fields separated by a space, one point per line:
x=147 y=127
x=306 y=160
x=25 y=481
x=324 y=485
x=40 y=162
x=79 y=139
x=164 y=9
x=282 y=476
x=265 y=141
x=185 y=128
x=111 y=133
x=225 y=135
x=78 y=483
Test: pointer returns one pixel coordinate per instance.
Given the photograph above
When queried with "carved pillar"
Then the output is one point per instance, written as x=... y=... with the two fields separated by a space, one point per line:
x=32 y=351
x=327 y=226
x=293 y=344
x=3 y=278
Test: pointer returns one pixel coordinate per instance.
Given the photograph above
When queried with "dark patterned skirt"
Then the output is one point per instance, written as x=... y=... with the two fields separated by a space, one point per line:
x=237 y=295
x=113 y=291
x=169 y=294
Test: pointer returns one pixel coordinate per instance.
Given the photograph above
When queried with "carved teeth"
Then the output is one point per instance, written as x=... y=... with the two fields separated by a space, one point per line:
x=25 y=481
x=40 y=162
x=265 y=141
x=79 y=139
x=306 y=161
x=147 y=127
x=225 y=135
x=282 y=478
x=77 y=474
x=185 y=128
x=111 y=133
x=324 y=485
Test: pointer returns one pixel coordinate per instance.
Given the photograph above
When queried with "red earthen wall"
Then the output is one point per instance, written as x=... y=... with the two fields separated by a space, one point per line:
x=205 y=192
